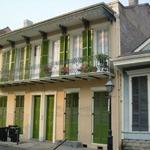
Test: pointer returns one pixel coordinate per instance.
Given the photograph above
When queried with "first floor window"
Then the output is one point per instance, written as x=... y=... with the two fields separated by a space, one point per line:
x=139 y=103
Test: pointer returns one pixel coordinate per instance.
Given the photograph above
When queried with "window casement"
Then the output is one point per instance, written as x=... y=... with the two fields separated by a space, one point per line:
x=139 y=97
x=101 y=41
x=76 y=46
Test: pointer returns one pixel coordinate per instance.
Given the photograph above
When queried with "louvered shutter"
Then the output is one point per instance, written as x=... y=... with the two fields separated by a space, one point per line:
x=27 y=61
x=44 y=71
x=22 y=62
x=139 y=104
x=87 y=37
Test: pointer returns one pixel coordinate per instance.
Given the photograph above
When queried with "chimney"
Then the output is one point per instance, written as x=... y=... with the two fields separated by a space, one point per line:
x=133 y=2
x=27 y=23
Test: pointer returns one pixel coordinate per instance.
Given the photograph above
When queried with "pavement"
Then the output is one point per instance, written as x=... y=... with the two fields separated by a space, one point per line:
x=34 y=145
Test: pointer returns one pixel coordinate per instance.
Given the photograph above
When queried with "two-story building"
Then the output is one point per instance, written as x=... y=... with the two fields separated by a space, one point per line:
x=53 y=76
x=53 y=73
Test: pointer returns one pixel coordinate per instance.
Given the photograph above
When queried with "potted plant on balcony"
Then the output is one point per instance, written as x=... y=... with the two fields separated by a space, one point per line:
x=84 y=68
x=102 y=59
x=64 y=70
x=93 y=69
x=48 y=70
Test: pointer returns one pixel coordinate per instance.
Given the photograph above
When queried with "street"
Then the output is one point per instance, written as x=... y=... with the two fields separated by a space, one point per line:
x=9 y=148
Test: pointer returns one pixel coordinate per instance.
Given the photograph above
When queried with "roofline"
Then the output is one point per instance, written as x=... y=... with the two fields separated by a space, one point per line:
x=126 y=60
x=62 y=16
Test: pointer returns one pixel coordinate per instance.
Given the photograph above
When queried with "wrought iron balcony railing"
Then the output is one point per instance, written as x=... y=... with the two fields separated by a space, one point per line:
x=75 y=66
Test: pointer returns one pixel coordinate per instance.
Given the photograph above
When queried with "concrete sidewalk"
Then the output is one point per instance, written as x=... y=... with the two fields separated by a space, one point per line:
x=36 y=145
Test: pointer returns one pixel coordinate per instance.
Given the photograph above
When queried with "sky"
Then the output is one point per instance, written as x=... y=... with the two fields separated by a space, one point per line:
x=14 y=12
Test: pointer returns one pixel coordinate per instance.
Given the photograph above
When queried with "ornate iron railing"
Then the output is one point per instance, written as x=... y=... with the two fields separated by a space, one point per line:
x=75 y=66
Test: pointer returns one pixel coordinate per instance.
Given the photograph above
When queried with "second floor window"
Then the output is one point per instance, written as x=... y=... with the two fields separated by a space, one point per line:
x=102 y=44
x=76 y=46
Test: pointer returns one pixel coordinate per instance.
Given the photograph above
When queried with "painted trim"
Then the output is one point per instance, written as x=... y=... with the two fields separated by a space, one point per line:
x=71 y=90
x=4 y=94
x=132 y=59
x=130 y=102
x=99 y=88
x=138 y=72
x=20 y=93
x=140 y=48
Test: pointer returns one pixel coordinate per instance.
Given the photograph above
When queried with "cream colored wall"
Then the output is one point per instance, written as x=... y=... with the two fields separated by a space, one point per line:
x=10 y=109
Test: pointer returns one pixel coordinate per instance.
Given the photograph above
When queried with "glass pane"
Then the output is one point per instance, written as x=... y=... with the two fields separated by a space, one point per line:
x=139 y=104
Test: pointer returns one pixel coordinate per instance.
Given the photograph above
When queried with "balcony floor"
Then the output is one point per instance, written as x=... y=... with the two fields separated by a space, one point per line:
x=61 y=78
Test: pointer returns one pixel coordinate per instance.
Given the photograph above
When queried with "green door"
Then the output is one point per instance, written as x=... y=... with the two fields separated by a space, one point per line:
x=100 y=118
x=19 y=112
x=36 y=116
x=49 y=117
x=71 y=116
x=3 y=108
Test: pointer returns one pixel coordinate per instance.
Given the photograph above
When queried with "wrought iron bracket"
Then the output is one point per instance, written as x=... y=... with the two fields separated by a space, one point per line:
x=43 y=34
x=86 y=23
x=27 y=39
x=63 y=29
x=12 y=43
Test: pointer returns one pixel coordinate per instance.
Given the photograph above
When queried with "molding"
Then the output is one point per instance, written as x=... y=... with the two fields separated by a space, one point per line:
x=99 y=88
x=130 y=60
x=138 y=72
x=142 y=46
x=72 y=90
x=19 y=93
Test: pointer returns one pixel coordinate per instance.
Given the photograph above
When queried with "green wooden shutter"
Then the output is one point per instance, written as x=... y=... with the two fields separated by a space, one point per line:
x=12 y=64
x=87 y=37
x=44 y=59
x=3 y=110
x=100 y=118
x=27 y=61
x=19 y=112
x=71 y=116
x=36 y=117
x=22 y=67
x=49 y=117
x=64 y=54
x=4 y=67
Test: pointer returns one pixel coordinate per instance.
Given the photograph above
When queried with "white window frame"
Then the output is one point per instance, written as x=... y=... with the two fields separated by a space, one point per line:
x=138 y=73
x=98 y=28
x=52 y=39
x=33 y=44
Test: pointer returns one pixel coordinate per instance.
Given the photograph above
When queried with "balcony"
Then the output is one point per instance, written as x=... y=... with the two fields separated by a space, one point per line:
x=83 y=68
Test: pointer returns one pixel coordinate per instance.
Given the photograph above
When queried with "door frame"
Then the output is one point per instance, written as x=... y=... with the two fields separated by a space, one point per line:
x=54 y=114
x=95 y=89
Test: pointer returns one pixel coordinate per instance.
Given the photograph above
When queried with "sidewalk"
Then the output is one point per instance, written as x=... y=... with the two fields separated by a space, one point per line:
x=36 y=145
